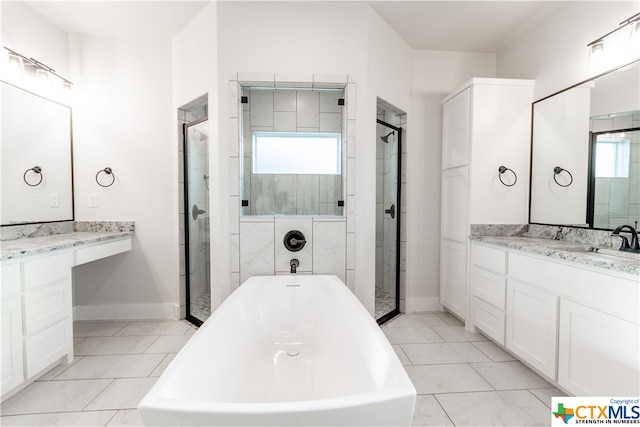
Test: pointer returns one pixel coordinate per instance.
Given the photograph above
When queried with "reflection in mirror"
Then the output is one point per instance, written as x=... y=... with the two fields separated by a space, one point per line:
x=570 y=130
x=617 y=177
x=36 y=160
x=293 y=151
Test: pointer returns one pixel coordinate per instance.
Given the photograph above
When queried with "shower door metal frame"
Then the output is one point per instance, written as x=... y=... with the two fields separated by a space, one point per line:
x=187 y=260
x=393 y=313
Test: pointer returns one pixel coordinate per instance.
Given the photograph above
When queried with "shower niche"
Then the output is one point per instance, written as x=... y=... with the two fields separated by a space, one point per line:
x=293 y=157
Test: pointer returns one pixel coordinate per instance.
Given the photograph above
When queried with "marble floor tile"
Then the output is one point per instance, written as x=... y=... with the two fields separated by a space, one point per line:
x=494 y=352
x=97 y=346
x=545 y=394
x=428 y=412
x=411 y=335
x=171 y=327
x=450 y=319
x=430 y=379
x=124 y=393
x=163 y=365
x=401 y=354
x=509 y=375
x=416 y=320
x=457 y=333
x=59 y=369
x=115 y=366
x=54 y=396
x=97 y=329
x=126 y=417
x=168 y=344
x=445 y=352
x=495 y=408
x=81 y=419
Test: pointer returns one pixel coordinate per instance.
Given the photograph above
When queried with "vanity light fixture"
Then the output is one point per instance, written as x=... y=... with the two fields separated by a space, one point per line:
x=34 y=72
x=615 y=49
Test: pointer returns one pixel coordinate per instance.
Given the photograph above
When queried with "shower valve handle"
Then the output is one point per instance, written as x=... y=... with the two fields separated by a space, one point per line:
x=391 y=211
x=195 y=212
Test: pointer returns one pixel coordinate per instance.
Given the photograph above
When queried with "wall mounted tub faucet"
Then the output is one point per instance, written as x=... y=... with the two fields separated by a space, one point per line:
x=634 y=246
x=294 y=264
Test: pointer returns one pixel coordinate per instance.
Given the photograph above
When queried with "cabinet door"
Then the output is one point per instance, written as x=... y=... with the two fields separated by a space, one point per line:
x=598 y=352
x=532 y=326
x=456 y=130
x=453 y=277
x=455 y=202
x=11 y=345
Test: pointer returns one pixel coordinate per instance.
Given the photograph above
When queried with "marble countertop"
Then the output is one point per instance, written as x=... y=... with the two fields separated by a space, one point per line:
x=18 y=248
x=580 y=253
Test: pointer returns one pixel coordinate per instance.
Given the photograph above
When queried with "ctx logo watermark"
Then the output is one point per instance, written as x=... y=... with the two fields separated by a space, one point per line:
x=594 y=410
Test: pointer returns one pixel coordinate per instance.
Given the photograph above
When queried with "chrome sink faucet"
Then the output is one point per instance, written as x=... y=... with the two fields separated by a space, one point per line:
x=294 y=264
x=634 y=246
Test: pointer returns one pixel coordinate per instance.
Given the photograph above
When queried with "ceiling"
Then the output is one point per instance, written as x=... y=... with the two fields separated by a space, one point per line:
x=466 y=26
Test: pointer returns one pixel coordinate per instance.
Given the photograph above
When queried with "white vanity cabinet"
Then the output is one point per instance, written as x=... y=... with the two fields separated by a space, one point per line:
x=37 y=328
x=532 y=324
x=12 y=373
x=486 y=124
x=37 y=312
x=577 y=325
x=488 y=290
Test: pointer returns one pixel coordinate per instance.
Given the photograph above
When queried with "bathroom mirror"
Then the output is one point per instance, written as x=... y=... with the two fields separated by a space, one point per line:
x=575 y=130
x=293 y=160
x=36 y=159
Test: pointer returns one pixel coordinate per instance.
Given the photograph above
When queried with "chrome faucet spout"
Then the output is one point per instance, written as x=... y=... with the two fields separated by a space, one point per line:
x=625 y=245
x=294 y=264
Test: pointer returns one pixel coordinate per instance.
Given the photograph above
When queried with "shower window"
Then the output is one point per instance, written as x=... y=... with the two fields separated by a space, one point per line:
x=297 y=153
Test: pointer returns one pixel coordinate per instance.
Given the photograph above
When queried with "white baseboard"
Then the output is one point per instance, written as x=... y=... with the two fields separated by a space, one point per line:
x=127 y=311
x=422 y=304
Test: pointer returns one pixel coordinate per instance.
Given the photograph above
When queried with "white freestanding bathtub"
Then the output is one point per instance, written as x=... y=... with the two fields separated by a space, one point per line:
x=281 y=351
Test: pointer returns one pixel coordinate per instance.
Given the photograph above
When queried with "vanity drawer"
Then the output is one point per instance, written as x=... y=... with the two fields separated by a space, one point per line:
x=488 y=286
x=10 y=279
x=48 y=346
x=46 y=306
x=47 y=270
x=489 y=320
x=489 y=258
x=102 y=250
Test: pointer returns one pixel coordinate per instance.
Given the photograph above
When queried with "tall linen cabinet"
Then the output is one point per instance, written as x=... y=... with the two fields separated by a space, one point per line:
x=486 y=124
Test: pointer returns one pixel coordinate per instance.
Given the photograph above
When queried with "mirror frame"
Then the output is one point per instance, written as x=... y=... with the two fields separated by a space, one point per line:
x=71 y=170
x=590 y=161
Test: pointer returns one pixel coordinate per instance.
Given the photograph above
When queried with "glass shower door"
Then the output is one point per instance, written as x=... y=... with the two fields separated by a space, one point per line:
x=388 y=140
x=196 y=181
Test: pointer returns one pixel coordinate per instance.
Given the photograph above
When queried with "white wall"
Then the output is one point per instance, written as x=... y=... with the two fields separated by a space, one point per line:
x=434 y=75
x=553 y=49
x=24 y=29
x=195 y=72
x=123 y=119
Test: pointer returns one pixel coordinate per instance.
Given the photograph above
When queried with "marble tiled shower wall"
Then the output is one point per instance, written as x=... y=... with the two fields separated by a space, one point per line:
x=617 y=200
x=287 y=110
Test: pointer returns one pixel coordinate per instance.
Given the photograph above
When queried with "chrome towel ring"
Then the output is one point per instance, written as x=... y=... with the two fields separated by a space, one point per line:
x=36 y=170
x=558 y=170
x=109 y=172
x=503 y=169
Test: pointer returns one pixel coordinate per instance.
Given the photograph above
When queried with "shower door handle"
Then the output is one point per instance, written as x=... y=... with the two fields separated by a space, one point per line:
x=391 y=211
x=195 y=212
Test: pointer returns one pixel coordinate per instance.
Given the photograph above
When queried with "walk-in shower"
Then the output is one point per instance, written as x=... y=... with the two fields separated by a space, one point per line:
x=388 y=213
x=195 y=191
